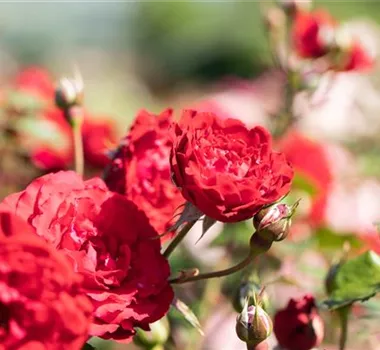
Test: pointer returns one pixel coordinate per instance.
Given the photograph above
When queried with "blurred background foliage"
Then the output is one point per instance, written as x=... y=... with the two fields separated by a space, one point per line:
x=155 y=46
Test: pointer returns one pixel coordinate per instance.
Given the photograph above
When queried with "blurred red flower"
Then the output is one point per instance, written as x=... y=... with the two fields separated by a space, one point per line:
x=141 y=169
x=226 y=170
x=357 y=58
x=109 y=241
x=41 y=304
x=98 y=136
x=309 y=159
x=309 y=29
x=299 y=326
x=36 y=81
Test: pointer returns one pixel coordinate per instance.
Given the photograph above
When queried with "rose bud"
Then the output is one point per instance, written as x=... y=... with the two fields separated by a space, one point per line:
x=69 y=93
x=299 y=326
x=275 y=220
x=158 y=334
x=247 y=291
x=253 y=325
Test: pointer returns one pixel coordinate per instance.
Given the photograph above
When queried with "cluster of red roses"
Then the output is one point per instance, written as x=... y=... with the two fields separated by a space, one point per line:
x=104 y=234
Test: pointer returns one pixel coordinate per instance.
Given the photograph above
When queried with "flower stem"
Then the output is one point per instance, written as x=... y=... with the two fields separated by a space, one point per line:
x=221 y=273
x=259 y=244
x=343 y=316
x=178 y=238
x=78 y=147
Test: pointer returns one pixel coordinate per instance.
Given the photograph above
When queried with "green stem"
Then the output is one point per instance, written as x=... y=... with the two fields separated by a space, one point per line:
x=178 y=239
x=215 y=274
x=78 y=147
x=259 y=244
x=344 y=313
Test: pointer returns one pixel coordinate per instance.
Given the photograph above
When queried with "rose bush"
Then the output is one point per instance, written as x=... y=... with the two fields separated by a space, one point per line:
x=225 y=169
x=299 y=326
x=109 y=241
x=141 y=170
x=41 y=303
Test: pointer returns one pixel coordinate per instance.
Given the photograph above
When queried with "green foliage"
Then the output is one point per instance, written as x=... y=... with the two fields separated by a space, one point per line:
x=357 y=279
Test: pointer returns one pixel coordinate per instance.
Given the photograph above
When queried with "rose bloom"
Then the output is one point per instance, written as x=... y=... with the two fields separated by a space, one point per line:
x=109 y=241
x=299 y=326
x=226 y=170
x=41 y=304
x=98 y=136
x=141 y=170
x=309 y=29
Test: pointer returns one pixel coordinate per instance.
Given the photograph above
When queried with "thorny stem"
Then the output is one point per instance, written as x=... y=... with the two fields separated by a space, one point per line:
x=178 y=238
x=259 y=243
x=221 y=273
x=287 y=118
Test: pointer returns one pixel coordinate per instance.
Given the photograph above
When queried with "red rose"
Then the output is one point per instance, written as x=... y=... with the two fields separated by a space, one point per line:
x=299 y=326
x=141 y=169
x=226 y=170
x=109 y=241
x=36 y=81
x=98 y=135
x=307 y=33
x=41 y=306
x=310 y=160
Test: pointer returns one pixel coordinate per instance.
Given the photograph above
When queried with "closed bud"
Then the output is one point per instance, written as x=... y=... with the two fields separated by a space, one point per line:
x=158 y=334
x=69 y=93
x=274 y=221
x=247 y=291
x=253 y=325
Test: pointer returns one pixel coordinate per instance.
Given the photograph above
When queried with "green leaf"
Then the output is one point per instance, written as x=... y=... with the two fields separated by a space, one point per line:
x=88 y=346
x=357 y=279
x=189 y=315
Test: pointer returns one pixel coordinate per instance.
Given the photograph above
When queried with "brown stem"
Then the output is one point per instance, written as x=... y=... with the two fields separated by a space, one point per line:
x=215 y=274
x=259 y=243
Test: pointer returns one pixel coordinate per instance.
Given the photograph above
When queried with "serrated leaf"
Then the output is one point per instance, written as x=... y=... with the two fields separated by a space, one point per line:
x=357 y=279
x=188 y=314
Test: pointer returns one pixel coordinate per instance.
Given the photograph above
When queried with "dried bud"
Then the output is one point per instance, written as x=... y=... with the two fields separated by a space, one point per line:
x=158 y=334
x=292 y=6
x=69 y=93
x=274 y=221
x=253 y=325
x=247 y=291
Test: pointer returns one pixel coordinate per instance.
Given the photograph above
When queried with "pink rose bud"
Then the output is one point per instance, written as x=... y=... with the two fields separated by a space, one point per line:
x=253 y=325
x=275 y=220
